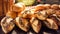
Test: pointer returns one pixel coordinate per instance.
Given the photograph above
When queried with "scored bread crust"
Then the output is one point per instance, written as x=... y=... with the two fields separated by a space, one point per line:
x=35 y=24
x=11 y=14
x=7 y=24
x=22 y=25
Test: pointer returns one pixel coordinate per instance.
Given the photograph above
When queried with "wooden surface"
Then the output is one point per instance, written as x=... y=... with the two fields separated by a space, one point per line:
x=5 y=6
x=0 y=7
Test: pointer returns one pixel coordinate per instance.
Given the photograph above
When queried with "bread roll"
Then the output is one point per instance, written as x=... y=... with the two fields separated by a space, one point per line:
x=18 y=7
x=7 y=24
x=50 y=11
x=27 y=13
x=52 y=24
x=57 y=19
x=41 y=15
x=39 y=7
x=11 y=14
x=35 y=24
x=47 y=6
x=55 y=6
x=22 y=23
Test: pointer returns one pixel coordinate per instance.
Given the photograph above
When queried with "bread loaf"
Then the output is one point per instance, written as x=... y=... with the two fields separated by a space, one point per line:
x=11 y=14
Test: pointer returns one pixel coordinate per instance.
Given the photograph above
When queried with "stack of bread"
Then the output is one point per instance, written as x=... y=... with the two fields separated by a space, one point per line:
x=24 y=17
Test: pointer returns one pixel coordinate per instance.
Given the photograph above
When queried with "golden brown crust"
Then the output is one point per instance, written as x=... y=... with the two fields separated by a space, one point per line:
x=39 y=7
x=7 y=24
x=27 y=13
x=57 y=12
x=59 y=6
x=22 y=24
x=52 y=24
x=11 y=14
x=34 y=14
x=47 y=6
x=18 y=7
x=41 y=15
x=35 y=24
x=55 y=6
